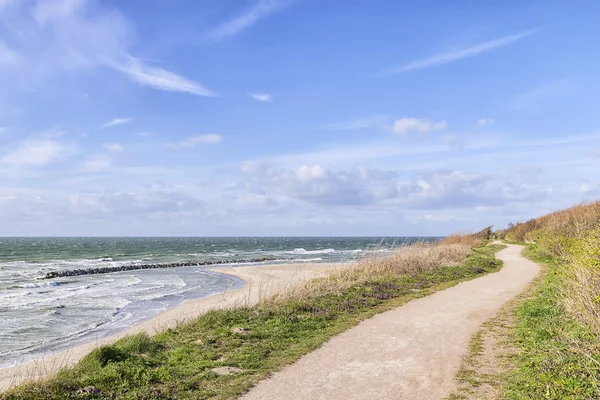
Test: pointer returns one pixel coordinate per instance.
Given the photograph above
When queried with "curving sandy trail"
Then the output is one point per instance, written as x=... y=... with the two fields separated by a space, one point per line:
x=260 y=281
x=411 y=352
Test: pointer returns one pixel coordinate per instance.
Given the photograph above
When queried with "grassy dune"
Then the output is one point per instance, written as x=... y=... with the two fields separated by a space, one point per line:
x=225 y=352
x=558 y=326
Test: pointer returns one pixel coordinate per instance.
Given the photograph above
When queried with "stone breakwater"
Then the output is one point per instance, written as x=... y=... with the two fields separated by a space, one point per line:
x=132 y=267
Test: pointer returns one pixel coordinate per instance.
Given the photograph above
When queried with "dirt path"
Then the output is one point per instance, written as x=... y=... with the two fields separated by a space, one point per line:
x=412 y=352
x=260 y=281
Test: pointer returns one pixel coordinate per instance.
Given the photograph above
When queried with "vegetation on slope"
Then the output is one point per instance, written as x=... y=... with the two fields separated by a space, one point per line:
x=572 y=235
x=223 y=353
x=558 y=326
x=558 y=356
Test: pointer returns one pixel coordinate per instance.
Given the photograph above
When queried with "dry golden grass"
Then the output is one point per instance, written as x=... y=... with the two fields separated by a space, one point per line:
x=554 y=231
x=471 y=239
x=574 y=235
x=407 y=260
x=583 y=295
x=581 y=299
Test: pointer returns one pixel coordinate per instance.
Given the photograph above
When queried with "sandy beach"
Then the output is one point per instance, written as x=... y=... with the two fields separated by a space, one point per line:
x=260 y=281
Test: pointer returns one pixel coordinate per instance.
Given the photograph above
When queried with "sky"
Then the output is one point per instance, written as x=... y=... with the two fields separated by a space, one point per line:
x=294 y=117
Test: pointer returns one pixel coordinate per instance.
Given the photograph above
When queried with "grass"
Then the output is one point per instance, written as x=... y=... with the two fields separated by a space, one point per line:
x=559 y=357
x=489 y=358
x=225 y=352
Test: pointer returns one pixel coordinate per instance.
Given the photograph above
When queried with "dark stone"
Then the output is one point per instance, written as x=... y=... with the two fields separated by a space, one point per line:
x=107 y=270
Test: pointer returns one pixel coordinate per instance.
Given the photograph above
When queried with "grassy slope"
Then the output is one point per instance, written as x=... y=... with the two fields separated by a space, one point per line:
x=558 y=356
x=179 y=363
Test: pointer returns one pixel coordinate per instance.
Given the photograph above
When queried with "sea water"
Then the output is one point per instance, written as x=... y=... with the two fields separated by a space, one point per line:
x=41 y=316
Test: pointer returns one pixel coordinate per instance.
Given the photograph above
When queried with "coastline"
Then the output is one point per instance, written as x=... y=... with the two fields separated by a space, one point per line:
x=259 y=282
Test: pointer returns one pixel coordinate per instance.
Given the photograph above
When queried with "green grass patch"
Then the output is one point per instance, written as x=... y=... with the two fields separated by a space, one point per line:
x=223 y=353
x=559 y=357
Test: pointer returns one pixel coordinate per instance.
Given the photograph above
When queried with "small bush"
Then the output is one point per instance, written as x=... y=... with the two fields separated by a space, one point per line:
x=108 y=354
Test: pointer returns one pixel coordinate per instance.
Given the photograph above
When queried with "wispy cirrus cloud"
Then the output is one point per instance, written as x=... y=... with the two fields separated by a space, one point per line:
x=485 y=121
x=97 y=163
x=161 y=79
x=458 y=54
x=116 y=121
x=114 y=147
x=408 y=125
x=36 y=152
x=48 y=38
x=193 y=141
x=368 y=122
x=261 y=9
x=261 y=96
x=7 y=55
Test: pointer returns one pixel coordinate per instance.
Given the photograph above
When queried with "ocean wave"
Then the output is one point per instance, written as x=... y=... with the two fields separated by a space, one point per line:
x=304 y=251
x=306 y=260
x=34 y=285
x=298 y=260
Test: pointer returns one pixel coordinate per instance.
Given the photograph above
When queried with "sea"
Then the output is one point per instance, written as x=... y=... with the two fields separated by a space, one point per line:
x=40 y=316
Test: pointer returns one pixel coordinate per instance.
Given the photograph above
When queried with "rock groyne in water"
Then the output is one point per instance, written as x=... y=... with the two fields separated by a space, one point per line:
x=132 y=267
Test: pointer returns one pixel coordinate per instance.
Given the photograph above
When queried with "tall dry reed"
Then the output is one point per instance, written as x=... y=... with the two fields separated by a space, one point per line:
x=407 y=260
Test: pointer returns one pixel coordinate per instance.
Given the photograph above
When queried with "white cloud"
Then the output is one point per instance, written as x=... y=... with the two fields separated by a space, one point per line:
x=49 y=37
x=442 y=189
x=36 y=152
x=7 y=55
x=485 y=121
x=210 y=138
x=97 y=163
x=133 y=203
x=260 y=96
x=3 y=129
x=117 y=121
x=308 y=172
x=455 y=55
x=436 y=218
x=260 y=10
x=114 y=147
x=158 y=78
x=368 y=122
x=408 y=125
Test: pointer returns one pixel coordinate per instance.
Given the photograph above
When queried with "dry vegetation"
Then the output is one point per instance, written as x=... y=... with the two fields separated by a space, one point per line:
x=574 y=235
x=406 y=260
x=558 y=325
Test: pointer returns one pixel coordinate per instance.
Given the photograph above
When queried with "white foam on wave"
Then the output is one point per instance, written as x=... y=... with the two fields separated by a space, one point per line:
x=34 y=285
x=304 y=251
x=66 y=309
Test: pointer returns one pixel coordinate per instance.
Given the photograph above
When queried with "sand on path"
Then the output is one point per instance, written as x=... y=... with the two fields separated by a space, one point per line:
x=260 y=281
x=412 y=352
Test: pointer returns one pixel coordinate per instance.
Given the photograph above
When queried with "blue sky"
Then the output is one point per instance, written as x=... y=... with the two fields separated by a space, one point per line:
x=294 y=117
